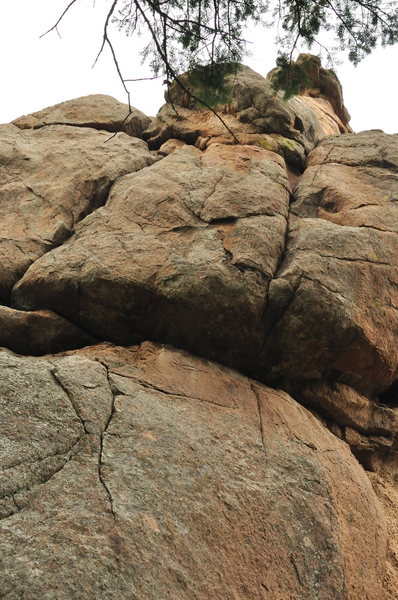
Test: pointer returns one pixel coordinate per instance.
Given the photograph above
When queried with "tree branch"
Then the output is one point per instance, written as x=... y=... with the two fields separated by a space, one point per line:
x=170 y=70
x=60 y=19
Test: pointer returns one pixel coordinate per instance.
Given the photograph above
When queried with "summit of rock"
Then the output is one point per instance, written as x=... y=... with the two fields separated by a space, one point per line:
x=256 y=114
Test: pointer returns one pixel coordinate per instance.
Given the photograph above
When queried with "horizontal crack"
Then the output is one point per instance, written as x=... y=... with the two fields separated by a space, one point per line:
x=167 y=393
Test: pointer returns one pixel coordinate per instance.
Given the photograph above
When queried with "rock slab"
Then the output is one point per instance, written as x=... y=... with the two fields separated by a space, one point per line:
x=146 y=473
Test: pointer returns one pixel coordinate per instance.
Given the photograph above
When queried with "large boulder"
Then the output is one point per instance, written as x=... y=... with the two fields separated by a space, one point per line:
x=148 y=473
x=97 y=111
x=196 y=252
x=255 y=114
x=333 y=303
x=50 y=179
x=318 y=82
x=39 y=332
x=181 y=253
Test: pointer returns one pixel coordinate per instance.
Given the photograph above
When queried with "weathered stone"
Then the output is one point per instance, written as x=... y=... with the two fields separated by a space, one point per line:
x=39 y=332
x=170 y=146
x=254 y=108
x=386 y=488
x=333 y=306
x=115 y=457
x=350 y=409
x=182 y=253
x=97 y=111
x=321 y=83
x=112 y=457
x=370 y=450
x=50 y=179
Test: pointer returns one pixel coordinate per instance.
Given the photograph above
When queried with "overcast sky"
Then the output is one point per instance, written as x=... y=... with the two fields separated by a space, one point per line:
x=37 y=73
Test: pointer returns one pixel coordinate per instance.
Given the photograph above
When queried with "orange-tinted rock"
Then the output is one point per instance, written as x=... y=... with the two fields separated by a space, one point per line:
x=254 y=110
x=39 y=332
x=181 y=253
x=149 y=453
x=333 y=305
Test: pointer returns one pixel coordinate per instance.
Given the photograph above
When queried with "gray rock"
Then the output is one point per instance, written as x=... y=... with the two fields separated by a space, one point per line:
x=97 y=111
x=147 y=473
x=51 y=178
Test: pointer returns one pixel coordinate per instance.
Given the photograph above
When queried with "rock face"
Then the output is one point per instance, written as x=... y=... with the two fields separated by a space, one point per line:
x=96 y=111
x=256 y=115
x=172 y=464
x=205 y=401
x=58 y=174
x=186 y=235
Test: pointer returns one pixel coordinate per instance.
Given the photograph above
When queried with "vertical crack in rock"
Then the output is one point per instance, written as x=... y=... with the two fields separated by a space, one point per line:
x=260 y=420
x=269 y=317
x=208 y=197
x=274 y=311
x=319 y=169
x=58 y=380
x=101 y=448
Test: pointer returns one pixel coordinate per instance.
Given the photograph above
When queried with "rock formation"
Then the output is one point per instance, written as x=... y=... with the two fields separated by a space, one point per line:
x=200 y=350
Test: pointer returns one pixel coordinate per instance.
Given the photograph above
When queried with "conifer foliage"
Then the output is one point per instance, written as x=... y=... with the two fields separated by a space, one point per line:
x=201 y=35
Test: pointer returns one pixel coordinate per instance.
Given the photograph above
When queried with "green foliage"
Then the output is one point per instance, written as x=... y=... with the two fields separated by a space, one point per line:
x=188 y=35
x=289 y=77
x=209 y=83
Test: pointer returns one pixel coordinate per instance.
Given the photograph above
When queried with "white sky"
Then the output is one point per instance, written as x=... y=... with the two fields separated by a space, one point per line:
x=37 y=73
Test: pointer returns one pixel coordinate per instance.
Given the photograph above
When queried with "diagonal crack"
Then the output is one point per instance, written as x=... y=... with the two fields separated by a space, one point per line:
x=45 y=478
x=260 y=420
x=297 y=572
x=58 y=380
x=151 y=386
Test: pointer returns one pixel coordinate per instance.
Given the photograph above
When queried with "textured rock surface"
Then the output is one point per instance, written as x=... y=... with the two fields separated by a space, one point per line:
x=143 y=471
x=203 y=234
x=39 y=332
x=386 y=487
x=181 y=253
x=321 y=83
x=338 y=282
x=97 y=111
x=160 y=474
x=256 y=115
x=50 y=179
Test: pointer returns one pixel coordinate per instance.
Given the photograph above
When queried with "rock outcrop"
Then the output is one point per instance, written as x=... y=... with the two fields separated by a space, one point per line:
x=97 y=111
x=199 y=369
x=159 y=474
x=255 y=115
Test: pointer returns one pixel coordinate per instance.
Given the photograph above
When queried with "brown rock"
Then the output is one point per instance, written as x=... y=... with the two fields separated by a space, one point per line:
x=254 y=108
x=39 y=332
x=50 y=179
x=170 y=146
x=115 y=457
x=386 y=488
x=333 y=306
x=97 y=111
x=321 y=83
x=350 y=409
x=370 y=450
x=182 y=252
